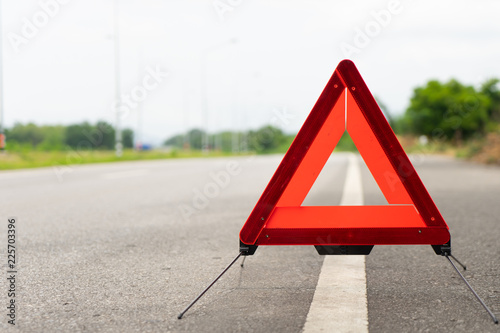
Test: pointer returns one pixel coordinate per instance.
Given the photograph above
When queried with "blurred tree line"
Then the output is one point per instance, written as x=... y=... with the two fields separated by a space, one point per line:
x=452 y=111
x=77 y=136
x=449 y=111
x=267 y=139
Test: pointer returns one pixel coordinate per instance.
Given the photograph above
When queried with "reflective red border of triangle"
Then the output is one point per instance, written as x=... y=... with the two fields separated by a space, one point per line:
x=434 y=230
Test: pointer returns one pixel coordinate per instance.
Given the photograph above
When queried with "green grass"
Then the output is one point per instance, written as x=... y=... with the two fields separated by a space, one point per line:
x=471 y=149
x=34 y=159
x=345 y=144
x=25 y=158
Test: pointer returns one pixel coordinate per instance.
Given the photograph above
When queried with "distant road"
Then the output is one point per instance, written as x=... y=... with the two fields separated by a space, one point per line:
x=124 y=247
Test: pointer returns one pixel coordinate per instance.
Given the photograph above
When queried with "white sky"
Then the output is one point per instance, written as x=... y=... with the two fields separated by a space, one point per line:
x=284 y=55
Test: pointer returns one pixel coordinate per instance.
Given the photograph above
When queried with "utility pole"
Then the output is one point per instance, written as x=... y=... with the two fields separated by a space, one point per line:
x=140 y=68
x=118 y=130
x=2 y=135
x=205 y=145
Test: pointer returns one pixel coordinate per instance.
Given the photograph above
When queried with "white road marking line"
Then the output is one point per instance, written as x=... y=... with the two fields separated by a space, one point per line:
x=353 y=190
x=125 y=174
x=340 y=303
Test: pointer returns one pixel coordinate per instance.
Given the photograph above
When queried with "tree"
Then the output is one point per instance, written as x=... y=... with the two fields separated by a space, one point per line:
x=29 y=133
x=53 y=138
x=77 y=136
x=80 y=136
x=86 y=136
x=107 y=136
x=265 y=139
x=193 y=138
x=128 y=138
x=450 y=111
x=491 y=89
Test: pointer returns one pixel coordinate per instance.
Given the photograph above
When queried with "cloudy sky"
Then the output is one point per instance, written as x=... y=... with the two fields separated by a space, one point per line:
x=264 y=61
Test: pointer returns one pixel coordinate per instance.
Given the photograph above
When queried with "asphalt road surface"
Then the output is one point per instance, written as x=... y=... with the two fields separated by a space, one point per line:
x=125 y=247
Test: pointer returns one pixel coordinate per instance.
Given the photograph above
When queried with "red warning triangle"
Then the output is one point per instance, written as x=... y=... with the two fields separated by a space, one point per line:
x=346 y=104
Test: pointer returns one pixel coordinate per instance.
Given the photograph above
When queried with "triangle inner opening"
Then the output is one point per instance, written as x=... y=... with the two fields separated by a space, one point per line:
x=328 y=188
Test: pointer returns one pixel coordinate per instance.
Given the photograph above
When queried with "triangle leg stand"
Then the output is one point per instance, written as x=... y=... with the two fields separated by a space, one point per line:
x=492 y=315
x=211 y=284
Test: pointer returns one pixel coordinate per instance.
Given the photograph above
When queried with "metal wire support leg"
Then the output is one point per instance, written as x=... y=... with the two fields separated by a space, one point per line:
x=243 y=261
x=495 y=320
x=463 y=266
x=206 y=289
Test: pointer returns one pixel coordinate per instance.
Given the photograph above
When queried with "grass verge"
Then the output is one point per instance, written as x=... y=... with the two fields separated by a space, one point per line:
x=485 y=150
x=35 y=159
